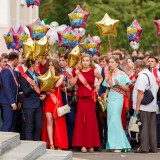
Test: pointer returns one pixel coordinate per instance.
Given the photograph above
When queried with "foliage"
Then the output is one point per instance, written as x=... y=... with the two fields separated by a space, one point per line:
x=145 y=11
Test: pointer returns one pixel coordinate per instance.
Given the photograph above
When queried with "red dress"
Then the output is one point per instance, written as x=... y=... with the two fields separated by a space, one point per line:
x=86 y=128
x=123 y=117
x=59 y=128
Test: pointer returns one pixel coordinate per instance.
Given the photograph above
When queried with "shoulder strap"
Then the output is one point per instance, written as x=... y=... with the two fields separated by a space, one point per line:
x=148 y=78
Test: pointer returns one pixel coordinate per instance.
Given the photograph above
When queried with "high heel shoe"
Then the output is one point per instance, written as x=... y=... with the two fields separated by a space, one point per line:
x=117 y=151
x=83 y=150
x=91 y=150
x=51 y=146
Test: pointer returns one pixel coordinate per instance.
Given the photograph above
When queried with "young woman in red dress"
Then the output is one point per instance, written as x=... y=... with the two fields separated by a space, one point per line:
x=86 y=133
x=54 y=131
x=128 y=67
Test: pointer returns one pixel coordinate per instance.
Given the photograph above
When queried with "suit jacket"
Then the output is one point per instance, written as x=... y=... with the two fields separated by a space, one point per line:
x=31 y=97
x=8 y=88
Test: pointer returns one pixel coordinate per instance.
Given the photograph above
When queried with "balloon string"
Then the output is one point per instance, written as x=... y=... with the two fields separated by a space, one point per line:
x=109 y=44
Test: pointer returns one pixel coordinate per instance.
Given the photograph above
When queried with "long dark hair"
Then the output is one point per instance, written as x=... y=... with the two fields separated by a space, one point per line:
x=56 y=66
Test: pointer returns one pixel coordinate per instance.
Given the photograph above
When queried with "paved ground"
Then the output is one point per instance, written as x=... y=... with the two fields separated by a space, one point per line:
x=117 y=156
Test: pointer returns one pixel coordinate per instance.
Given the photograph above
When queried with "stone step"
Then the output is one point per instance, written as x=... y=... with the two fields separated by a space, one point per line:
x=79 y=159
x=56 y=155
x=26 y=150
x=8 y=140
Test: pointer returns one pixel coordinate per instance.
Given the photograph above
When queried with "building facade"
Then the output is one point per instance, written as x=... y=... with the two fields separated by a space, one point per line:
x=14 y=13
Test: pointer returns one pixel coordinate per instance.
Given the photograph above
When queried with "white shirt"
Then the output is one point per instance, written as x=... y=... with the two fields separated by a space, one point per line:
x=99 y=69
x=142 y=84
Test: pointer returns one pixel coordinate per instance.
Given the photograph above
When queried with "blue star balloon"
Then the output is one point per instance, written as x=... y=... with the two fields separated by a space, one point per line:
x=91 y=45
x=78 y=17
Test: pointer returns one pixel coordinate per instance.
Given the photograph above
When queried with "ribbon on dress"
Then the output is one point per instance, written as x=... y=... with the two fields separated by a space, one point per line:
x=121 y=91
x=86 y=84
x=84 y=81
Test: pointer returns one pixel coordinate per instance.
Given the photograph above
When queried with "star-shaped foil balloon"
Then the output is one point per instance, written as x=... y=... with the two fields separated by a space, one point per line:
x=134 y=32
x=74 y=57
x=47 y=81
x=28 y=48
x=32 y=3
x=78 y=17
x=91 y=45
x=9 y=39
x=37 y=29
x=34 y=49
x=14 y=40
x=68 y=38
x=20 y=37
x=42 y=47
x=157 y=23
x=107 y=26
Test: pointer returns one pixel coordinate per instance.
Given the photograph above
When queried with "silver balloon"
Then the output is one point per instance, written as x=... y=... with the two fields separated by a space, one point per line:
x=82 y=31
x=134 y=45
x=52 y=41
x=26 y=30
x=52 y=33
x=61 y=27
x=54 y=24
x=97 y=38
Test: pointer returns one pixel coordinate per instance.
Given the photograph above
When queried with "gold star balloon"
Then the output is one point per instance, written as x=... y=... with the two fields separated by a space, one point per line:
x=74 y=57
x=34 y=49
x=28 y=48
x=41 y=47
x=107 y=26
x=47 y=81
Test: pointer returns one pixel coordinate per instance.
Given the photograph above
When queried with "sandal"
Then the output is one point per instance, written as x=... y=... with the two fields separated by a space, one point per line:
x=51 y=146
x=91 y=150
x=83 y=150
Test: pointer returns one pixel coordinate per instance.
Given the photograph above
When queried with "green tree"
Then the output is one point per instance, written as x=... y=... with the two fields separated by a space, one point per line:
x=145 y=11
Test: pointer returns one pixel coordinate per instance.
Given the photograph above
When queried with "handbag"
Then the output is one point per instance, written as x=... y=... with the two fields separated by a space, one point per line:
x=100 y=104
x=61 y=111
x=148 y=96
x=133 y=126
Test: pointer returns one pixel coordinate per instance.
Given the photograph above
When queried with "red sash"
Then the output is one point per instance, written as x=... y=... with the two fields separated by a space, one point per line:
x=155 y=72
x=7 y=67
x=29 y=80
x=69 y=76
x=121 y=91
x=84 y=81
x=86 y=84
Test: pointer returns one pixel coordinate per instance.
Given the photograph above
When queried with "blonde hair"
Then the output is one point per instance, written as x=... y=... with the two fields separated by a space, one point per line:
x=116 y=59
x=79 y=66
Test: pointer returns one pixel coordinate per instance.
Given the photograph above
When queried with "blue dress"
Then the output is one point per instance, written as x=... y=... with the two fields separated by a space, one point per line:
x=116 y=135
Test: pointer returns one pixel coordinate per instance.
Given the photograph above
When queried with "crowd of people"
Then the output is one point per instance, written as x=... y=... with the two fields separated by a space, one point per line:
x=118 y=78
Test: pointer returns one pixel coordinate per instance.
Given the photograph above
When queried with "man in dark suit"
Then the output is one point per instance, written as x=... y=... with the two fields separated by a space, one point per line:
x=9 y=92
x=32 y=103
